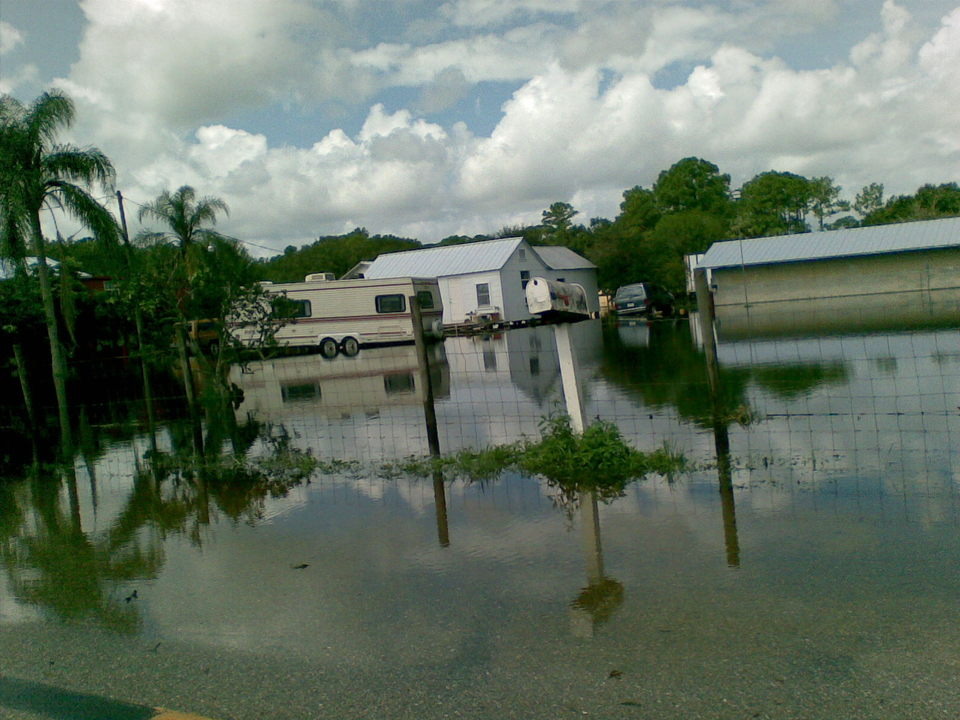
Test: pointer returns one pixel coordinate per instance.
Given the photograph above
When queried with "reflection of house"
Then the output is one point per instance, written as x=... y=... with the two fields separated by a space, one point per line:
x=523 y=359
x=856 y=275
x=487 y=279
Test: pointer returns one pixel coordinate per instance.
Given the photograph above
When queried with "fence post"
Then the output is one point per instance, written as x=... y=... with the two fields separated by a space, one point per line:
x=423 y=362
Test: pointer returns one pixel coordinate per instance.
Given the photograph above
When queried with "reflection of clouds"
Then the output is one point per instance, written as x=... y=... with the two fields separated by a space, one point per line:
x=378 y=588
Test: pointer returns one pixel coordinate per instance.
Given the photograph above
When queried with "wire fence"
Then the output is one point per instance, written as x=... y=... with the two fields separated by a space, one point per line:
x=884 y=404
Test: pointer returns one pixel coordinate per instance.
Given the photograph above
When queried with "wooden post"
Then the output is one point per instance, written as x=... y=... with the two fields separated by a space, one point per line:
x=440 y=506
x=423 y=362
x=568 y=375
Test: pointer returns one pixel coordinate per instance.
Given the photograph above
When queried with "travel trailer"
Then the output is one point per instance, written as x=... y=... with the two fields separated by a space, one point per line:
x=338 y=316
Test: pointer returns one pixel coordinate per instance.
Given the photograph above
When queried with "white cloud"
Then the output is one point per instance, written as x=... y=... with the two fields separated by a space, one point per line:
x=10 y=37
x=163 y=85
x=481 y=13
x=185 y=62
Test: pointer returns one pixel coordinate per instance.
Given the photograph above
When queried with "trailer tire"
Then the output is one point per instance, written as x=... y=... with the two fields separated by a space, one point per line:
x=349 y=346
x=328 y=348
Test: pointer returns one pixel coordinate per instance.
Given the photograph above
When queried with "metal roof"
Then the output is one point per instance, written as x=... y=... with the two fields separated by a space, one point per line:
x=558 y=257
x=874 y=240
x=8 y=269
x=447 y=260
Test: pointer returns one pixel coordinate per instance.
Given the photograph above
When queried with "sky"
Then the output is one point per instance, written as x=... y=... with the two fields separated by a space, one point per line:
x=426 y=119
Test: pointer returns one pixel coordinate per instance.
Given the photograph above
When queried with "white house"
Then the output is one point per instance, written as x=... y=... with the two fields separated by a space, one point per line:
x=488 y=278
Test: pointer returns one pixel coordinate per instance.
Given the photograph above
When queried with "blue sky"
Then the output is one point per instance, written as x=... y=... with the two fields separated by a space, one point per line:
x=426 y=119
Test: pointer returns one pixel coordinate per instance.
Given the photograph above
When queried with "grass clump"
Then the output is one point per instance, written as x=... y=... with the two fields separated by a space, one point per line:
x=598 y=460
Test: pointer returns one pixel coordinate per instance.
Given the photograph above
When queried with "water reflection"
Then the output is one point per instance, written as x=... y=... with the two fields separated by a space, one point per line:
x=821 y=463
x=596 y=603
x=60 y=557
x=907 y=311
x=51 y=562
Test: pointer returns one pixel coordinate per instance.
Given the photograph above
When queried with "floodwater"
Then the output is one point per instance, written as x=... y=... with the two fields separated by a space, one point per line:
x=811 y=569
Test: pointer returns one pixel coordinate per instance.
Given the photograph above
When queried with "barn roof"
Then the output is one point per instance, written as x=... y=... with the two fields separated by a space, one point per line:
x=558 y=257
x=874 y=240
x=447 y=260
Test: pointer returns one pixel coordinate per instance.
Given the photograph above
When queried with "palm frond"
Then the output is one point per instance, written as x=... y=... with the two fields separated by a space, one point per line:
x=86 y=165
x=47 y=115
x=83 y=206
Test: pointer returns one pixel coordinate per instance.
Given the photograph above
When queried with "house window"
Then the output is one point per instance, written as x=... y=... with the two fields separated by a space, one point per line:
x=483 y=294
x=561 y=279
x=391 y=303
x=522 y=254
x=524 y=278
x=425 y=298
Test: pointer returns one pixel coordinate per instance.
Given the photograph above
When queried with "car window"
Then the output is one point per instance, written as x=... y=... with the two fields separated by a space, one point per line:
x=631 y=291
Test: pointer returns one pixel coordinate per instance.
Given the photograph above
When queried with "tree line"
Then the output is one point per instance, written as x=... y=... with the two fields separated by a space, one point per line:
x=689 y=207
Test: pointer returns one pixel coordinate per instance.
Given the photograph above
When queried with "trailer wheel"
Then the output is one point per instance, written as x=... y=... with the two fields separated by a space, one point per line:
x=349 y=346
x=328 y=348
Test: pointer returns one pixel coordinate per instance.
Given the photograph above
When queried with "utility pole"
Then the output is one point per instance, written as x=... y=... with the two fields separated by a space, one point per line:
x=138 y=323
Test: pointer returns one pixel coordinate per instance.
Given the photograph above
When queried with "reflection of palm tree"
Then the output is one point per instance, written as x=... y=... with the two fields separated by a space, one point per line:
x=52 y=563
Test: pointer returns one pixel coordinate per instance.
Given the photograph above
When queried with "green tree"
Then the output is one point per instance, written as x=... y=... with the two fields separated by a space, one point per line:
x=679 y=234
x=638 y=211
x=558 y=218
x=929 y=202
x=825 y=199
x=692 y=184
x=869 y=199
x=773 y=203
x=336 y=254
x=38 y=173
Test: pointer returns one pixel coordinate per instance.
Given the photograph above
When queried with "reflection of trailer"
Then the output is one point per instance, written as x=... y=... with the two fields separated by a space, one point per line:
x=377 y=378
x=340 y=315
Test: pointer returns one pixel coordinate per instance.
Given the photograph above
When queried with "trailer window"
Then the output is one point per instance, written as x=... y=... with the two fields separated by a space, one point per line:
x=425 y=298
x=300 y=392
x=391 y=303
x=398 y=383
x=284 y=307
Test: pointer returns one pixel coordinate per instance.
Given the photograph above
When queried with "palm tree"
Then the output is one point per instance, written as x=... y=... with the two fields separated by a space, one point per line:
x=37 y=173
x=185 y=216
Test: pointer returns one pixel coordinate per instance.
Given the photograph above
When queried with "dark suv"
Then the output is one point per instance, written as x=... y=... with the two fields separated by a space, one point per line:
x=642 y=299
